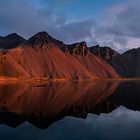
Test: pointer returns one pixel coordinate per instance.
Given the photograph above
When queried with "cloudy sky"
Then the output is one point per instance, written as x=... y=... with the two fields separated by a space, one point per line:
x=107 y=22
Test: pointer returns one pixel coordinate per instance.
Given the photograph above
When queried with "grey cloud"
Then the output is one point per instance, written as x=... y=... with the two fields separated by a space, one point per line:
x=26 y=19
x=18 y=16
x=77 y=30
x=128 y=21
x=126 y=26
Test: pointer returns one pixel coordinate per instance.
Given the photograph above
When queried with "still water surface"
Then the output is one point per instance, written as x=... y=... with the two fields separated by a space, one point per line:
x=106 y=110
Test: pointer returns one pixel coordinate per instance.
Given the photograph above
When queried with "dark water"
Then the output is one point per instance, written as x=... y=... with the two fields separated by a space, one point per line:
x=106 y=110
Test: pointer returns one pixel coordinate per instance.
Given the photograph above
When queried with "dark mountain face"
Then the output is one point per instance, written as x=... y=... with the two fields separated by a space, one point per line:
x=10 y=41
x=105 y=53
x=127 y=64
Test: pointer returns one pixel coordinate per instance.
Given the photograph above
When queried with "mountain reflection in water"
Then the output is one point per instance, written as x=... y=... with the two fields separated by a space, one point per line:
x=43 y=104
x=106 y=110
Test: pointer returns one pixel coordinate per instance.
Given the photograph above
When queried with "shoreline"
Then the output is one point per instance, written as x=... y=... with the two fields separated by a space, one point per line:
x=6 y=80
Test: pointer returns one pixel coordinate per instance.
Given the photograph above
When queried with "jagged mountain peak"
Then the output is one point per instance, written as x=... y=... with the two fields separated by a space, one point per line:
x=42 y=38
x=105 y=52
x=79 y=48
x=82 y=43
x=13 y=36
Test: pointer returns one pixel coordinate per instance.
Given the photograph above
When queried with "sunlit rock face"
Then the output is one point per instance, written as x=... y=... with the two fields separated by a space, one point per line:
x=42 y=56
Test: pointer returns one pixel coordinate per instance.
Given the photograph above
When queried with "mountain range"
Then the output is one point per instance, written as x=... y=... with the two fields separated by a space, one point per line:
x=43 y=56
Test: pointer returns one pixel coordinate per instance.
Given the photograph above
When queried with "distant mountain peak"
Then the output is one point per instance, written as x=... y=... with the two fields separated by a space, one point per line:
x=134 y=51
x=13 y=36
x=11 y=41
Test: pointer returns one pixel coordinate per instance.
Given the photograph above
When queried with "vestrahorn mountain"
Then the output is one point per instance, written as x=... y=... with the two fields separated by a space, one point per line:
x=42 y=56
